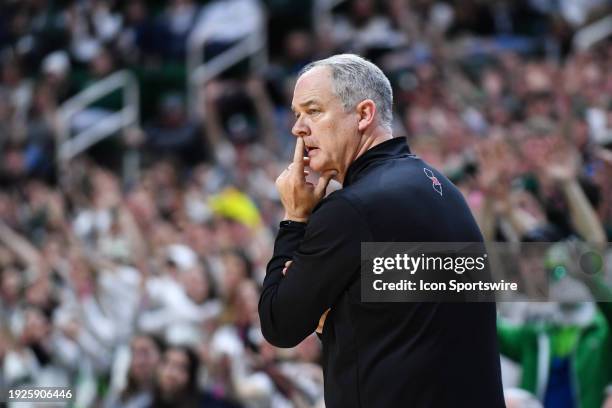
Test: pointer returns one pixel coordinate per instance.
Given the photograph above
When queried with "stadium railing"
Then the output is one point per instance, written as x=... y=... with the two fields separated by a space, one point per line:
x=200 y=72
x=129 y=116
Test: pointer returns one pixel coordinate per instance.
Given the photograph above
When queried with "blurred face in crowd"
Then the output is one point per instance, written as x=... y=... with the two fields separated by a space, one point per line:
x=174 y=371
x=102 y=64
x=80 y=273
x=200 y=237
x=10 y=285
x=247 y=300
x=362 y=10
x=36 y=327
x=145 y=359
x=195 y=283
x=234 y=272
x=39 y=292
x=330 y=132
x=492 y=83
x=298 y=45
x=135 y=11
x=539 y=104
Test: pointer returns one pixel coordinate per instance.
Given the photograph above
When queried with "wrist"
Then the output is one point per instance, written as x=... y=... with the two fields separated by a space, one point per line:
x=294 y=218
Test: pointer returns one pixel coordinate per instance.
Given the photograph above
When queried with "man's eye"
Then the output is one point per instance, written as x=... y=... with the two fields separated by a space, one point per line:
x=313 y=111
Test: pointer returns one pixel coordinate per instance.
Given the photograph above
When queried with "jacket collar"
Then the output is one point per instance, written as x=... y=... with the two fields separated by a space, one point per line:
x=393 y=148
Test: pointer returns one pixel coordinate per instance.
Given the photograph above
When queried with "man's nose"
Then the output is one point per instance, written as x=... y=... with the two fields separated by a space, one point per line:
x=300 y=129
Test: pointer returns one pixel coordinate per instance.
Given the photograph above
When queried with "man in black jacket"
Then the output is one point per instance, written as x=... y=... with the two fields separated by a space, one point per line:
x=374 y=354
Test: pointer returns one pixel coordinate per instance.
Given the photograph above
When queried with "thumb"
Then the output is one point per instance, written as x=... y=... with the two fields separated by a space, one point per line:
x=323 y=182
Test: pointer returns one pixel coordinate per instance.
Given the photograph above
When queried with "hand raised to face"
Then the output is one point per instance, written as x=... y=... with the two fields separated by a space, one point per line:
x=298 y=196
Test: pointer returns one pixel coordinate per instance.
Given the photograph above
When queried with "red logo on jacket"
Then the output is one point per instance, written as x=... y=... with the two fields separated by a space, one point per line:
x=435 y=182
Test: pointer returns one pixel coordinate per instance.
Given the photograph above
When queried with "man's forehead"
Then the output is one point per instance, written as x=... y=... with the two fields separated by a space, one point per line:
x=313 y=86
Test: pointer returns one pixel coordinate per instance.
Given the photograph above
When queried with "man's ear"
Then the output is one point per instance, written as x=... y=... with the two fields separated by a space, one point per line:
x=366 y=110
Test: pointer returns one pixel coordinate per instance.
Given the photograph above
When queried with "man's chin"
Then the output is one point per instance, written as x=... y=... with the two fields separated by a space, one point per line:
x=316 y=166
x=319 y=166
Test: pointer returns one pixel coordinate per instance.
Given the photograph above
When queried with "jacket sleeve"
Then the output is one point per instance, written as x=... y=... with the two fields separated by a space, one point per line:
x=326 y=256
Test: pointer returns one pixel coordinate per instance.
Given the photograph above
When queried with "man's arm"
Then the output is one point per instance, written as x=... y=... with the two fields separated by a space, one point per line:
x=326 y=259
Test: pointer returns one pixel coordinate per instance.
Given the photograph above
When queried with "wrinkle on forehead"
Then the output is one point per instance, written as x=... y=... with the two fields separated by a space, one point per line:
x=314 y=85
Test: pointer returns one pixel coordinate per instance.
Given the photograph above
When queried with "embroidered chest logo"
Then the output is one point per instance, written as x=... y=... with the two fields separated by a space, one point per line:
x=435 y=182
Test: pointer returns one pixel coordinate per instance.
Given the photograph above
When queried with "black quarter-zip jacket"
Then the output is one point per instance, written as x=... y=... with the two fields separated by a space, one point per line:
x=430 y=355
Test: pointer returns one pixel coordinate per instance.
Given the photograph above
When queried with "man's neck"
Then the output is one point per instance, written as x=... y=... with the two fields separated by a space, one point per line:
x=376 y=138
x=368 y=141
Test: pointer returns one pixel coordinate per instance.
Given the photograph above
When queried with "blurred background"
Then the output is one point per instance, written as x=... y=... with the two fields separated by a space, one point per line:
x=140 y=142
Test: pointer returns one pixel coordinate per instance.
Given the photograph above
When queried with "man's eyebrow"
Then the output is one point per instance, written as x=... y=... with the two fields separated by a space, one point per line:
x=306 y=103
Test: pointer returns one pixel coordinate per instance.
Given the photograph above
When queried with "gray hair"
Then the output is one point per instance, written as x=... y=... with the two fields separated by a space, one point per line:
x=355 y=79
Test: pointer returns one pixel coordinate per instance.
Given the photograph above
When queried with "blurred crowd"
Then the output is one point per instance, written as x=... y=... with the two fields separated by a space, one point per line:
x=131 y=273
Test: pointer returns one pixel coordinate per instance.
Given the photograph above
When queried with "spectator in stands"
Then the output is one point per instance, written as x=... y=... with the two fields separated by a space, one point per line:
x=176 y=379
x=174 y=134
x=174 y=26
x=145 y=356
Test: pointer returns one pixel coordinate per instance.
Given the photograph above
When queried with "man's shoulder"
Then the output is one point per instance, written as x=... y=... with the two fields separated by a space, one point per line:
x=400 y=179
